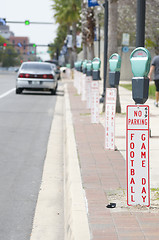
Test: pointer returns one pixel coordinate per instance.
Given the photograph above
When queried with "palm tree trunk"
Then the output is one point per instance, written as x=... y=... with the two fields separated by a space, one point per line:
x=112 y=42
x=84 y=26
x=74 y=52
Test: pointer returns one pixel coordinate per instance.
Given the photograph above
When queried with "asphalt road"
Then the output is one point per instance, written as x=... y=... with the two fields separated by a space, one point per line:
x=25 y=122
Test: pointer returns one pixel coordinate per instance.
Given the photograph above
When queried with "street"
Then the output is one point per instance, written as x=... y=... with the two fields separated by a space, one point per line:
x=25 y=123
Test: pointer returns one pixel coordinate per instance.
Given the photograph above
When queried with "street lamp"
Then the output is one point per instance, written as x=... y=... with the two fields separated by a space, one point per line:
x=140 y=22
x=105 y=5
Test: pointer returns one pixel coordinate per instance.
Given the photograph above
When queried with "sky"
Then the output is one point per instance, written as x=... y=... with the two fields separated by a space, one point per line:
x=35 y=11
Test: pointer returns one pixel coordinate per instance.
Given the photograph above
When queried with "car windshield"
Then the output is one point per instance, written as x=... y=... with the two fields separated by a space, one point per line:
x=36 y=66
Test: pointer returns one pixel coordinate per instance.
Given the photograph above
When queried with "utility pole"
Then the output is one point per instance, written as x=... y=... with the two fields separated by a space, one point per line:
x=140 y=23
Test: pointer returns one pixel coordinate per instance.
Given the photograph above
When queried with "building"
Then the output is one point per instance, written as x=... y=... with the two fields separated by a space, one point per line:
x=21 y=44
x=5 y=32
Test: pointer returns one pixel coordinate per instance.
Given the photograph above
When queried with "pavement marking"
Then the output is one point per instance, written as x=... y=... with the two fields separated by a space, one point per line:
x=7 y=93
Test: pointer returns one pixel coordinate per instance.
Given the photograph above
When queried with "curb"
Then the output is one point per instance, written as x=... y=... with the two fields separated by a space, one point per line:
x=76 y=221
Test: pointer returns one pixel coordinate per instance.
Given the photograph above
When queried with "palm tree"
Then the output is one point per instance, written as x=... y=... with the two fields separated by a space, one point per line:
x=112 y=38
x=68 y=12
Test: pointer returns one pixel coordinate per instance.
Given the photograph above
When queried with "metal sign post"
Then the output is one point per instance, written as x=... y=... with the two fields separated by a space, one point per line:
x=137 y=155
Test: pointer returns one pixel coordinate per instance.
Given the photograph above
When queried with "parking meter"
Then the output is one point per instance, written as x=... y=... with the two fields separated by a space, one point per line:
x=76 y=65
x=84 y=66
x=140 y=60
x=89 y=68
x=96 y=68
x=114 y=66
x=80 y=66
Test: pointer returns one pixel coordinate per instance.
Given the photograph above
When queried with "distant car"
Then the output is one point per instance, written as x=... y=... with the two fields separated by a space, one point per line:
x=56 y=68
x=36 y=76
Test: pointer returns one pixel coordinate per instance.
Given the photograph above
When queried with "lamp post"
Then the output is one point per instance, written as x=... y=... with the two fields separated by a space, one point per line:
x=140 y=22
x=99 y=35
x=105 y=48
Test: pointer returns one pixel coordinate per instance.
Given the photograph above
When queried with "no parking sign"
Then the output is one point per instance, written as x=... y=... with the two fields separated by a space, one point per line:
x=137 y=155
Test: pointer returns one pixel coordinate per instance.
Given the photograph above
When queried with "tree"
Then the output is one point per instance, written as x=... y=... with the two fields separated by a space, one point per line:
x=8 y=55
x=88 y=27
x=68 y=12
x=112 y=38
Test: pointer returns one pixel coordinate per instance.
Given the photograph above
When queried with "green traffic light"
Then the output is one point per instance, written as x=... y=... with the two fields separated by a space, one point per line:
x=34 y=45
x=27 y=22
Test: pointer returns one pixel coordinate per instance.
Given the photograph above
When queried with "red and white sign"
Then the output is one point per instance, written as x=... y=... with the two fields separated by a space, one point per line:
x=95 y=102
x=83 y=96
x=137 y=155
x=110 y=109
x=88 y=91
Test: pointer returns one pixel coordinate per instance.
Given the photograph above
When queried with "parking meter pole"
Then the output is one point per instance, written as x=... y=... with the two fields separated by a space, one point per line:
x=88 y=83
x=79 y=76
x=137 y=131
x=83 y=96
x=110 y=101
x=95 y=90
x=75 y=75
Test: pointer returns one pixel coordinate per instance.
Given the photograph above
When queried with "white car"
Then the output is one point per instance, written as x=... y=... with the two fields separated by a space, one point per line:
x=36 y=76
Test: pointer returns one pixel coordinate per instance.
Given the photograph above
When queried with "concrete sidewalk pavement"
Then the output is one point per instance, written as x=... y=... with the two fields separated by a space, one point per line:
x=103 y=174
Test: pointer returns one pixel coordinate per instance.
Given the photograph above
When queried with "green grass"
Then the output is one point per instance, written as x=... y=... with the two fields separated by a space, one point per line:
x=152 y=89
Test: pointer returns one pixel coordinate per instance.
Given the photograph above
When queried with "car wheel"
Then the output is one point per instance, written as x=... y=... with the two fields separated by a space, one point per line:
x=18 y=90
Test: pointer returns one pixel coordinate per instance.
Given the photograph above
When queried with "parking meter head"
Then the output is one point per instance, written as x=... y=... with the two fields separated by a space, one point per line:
x=114 y=73
x=115 y=62
x=80 y=66
x=96 y=63
x=89 y=65
x=76 y=65
x=89 y=68
x=84 y=66
x=140 y=60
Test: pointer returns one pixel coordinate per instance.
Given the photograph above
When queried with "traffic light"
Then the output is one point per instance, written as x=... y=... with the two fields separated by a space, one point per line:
x=27 y=22
x=34 y=45
x=4 y=44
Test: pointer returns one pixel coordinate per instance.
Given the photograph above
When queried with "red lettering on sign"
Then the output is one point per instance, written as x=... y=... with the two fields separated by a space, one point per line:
x=132 y=145
x=132 y=172
x=132 y=191
x=143 y=190
x=143 y=198
x=132 y=162
x=143 y=163
x=143 y=181
x=143 y=137
x=132 y=199
x=137 y=113
x=132 y=154
x=132 y=181
x=143 y=146
x=143 y=154
x=132 y=135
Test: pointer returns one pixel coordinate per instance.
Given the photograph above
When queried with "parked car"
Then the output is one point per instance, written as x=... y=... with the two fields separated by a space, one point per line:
x=36 y=76
x=56 y=67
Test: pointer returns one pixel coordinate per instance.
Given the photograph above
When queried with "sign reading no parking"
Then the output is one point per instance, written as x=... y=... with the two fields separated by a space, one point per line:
x=137 y=155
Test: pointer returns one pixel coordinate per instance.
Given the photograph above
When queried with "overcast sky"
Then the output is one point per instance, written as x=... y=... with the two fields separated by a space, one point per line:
x=33 y=10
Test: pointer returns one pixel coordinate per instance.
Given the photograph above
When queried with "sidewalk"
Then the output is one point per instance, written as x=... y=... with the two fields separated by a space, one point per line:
x=104 y=176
